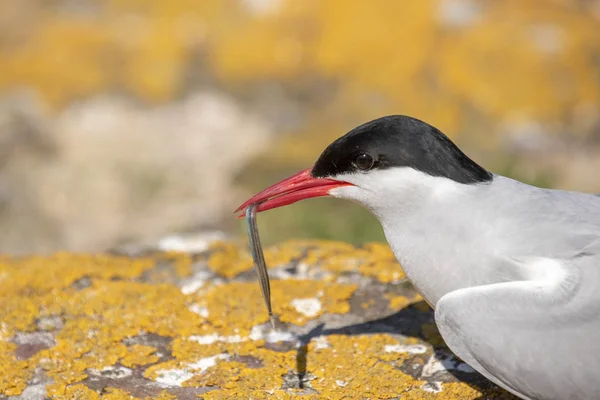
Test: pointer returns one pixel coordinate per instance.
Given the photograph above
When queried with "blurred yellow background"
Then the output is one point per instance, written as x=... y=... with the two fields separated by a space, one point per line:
x=122 y=121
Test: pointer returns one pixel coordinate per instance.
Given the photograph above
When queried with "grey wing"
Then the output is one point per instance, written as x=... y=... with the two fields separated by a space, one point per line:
x=536 y=338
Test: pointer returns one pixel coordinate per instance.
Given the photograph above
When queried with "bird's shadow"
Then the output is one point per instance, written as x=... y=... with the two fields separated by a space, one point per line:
x=407 y=322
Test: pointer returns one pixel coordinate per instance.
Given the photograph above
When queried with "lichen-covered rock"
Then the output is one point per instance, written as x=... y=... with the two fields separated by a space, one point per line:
x=175 y=325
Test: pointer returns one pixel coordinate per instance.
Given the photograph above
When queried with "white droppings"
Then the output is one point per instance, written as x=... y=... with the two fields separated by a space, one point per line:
x=200 y=310
x=309 y=307
x=277 y=336
x=176 y=376
x=303 y=270
x=205 y=339
x=112 y=372
x=173 y=377
x=256 y=333
x=280 y=274
x=411 y=349
x=195 y=282
x=438 y=363
x=204 y=363
x=213 y=338
x=433 y=387
x=262 y=332
x=36 y=338
x=341 y=383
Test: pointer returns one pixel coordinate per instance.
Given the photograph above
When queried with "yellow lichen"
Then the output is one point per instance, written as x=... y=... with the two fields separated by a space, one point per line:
x=237 y=381
x=164 y=395
x=234 y=308
x=399 y=302
x=374 y=260
x=138 y=354
x=163 y=37
x=99 y=304
x=73 y=392
x=13 y=373
x=117 y=394
x=229 y=260
x=182 y=262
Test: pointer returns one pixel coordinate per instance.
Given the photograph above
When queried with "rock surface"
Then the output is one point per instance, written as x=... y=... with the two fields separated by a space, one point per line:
x=176 y=325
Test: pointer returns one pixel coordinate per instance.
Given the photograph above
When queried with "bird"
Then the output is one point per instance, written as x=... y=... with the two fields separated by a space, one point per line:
x=511 y=270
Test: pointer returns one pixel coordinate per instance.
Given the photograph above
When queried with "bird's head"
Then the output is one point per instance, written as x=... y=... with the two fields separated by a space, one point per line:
x=386 y=163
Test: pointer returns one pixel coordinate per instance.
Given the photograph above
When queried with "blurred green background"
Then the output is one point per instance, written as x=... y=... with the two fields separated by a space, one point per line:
x=123 y=121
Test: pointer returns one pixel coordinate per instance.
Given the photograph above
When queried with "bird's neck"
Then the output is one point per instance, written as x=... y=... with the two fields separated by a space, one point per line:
x=434 y=242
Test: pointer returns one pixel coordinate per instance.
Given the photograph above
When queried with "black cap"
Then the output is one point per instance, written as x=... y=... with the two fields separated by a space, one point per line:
x=398 y=141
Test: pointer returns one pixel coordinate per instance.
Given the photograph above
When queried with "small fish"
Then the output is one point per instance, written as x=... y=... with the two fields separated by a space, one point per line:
x=259 y=258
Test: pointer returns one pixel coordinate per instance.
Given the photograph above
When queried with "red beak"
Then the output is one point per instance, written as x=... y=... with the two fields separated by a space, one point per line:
x=295 y=188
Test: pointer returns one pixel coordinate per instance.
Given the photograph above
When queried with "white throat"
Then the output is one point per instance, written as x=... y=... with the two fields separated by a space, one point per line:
x=396 y=192
x=423 y=218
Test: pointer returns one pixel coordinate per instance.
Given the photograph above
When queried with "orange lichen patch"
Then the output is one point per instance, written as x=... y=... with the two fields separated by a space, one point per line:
x=13 y=373
x=138 y=354
x=225 y=374
x=165 y=312
x=374 y=260
x=461 y=391
x=73 y=392
x=236 y=307
x=39 y=275
x=235 y=380
x=352 y=366
x=164 y=395
x=63 y=388
x=182 y=262
x=456 y=391
x=37 y=285
x=379 y=262
x=83 y=392
x=399 y=302
x=95 y=316
x=320 y=250
x=17 y=315
x=229 y=260
x=332 y=297
x=117 y=394
x=120 y=394
x=278 y=394
x=231 y=350
x=163 y=37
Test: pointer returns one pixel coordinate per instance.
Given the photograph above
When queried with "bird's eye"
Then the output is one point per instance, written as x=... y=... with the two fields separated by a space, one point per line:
x=364 y=161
